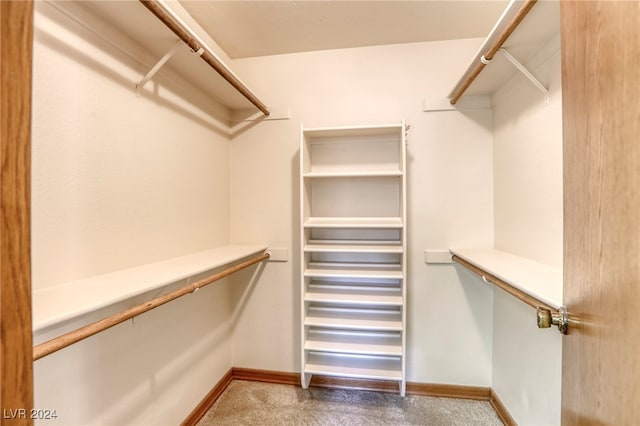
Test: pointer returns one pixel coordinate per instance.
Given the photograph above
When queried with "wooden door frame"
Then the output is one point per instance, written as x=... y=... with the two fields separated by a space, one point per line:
x=16 y=347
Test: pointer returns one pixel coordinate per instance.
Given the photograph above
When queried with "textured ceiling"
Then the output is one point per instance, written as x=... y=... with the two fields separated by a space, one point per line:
x=260 y=28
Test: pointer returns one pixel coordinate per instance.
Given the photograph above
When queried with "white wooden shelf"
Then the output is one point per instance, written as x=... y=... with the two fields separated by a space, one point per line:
x=353 y=222
x=354 y=295
x=354 y=247
x=537 y=30
x=354 y=318
x=337 y=341
x=353 y=348
x=380 y=368
x=133 y=21
x=357 y=151
x=352 y=174
x=543 y=282
x=369 y=132
x=70 y=300
x=319 y=272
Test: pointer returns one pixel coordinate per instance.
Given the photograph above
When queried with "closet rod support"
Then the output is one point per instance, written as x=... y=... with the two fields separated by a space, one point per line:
x=526 y=73
x=152 y=72
x=546 y=318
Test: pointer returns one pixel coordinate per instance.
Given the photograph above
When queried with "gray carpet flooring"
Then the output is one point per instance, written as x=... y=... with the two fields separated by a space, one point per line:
x=254 y=403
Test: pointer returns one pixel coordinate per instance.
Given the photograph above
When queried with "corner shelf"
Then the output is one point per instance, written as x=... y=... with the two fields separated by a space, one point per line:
x=541 y=282
x=63 y=302
x=353 y=239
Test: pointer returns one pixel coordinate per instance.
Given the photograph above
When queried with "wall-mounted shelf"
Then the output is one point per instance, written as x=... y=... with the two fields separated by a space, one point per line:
x=57 y=304
x=541 y=282
x=137 y=23
x=540 y=25
x=355 y=366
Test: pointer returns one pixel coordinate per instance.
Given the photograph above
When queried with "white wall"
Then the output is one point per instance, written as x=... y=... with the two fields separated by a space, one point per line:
x=528 y=162
x=449 y=196
x=120 y=181
x=527 y=158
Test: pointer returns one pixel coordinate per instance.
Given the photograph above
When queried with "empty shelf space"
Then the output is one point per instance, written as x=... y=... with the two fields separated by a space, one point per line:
x=57 y=304
x=354 y=236
x=540 y=281
x=352 y=173
x=353 y=246
x=353 y=149
x=362 y=271
x=354 y=294
x=353 y=260
x=353 y=318
x=353 y=348
x=364 y=367
x=336 y=341
x=353 y=222
x=339 y=134
x=349 y=197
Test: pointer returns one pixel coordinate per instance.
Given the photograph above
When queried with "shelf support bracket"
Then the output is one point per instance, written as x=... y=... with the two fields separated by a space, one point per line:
x=157 y=66
x=526 y=73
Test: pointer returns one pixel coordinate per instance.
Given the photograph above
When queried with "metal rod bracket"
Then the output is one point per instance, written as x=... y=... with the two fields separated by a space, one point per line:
x=546 y=319
x=157 y=66
x=526 y=73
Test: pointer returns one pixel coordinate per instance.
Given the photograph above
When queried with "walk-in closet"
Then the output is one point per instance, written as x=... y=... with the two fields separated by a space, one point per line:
x=411 y=199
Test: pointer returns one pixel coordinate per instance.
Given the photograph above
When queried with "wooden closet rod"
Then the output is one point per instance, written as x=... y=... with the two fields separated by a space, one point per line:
x=89 y=330
x=179 y=28
x=515 y=292
x=493 y=49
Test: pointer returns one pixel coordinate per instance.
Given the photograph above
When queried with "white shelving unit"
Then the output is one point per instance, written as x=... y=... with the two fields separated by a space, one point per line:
x=353 y=239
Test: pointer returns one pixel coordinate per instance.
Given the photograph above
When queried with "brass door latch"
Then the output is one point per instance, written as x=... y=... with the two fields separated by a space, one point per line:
x=546 y=318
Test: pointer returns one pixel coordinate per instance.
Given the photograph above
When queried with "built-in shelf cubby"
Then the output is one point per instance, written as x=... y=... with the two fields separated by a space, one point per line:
x=353 y=240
